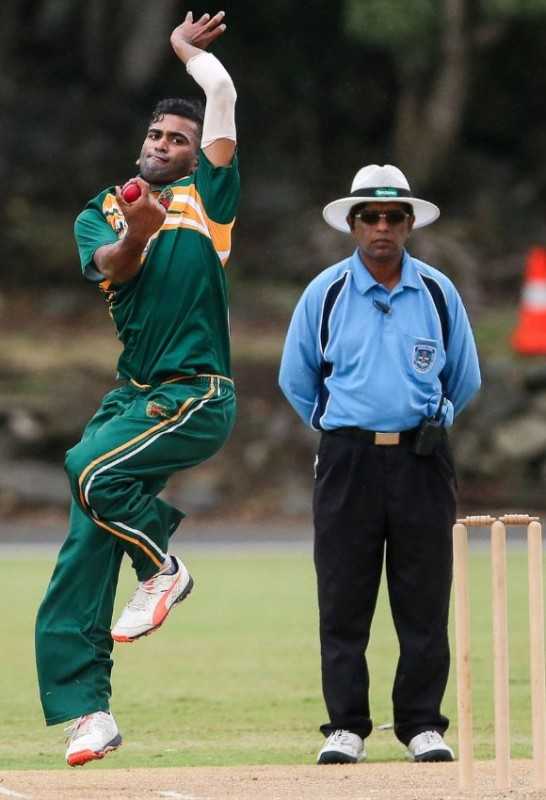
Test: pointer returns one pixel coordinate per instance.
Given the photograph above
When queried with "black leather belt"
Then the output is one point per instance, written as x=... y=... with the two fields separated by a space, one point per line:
x=381 y=438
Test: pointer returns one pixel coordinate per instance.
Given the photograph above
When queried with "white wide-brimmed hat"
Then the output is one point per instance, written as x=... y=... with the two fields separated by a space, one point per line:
x=379 y=184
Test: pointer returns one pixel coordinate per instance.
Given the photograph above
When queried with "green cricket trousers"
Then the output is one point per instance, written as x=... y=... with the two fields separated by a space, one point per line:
x=138 y=438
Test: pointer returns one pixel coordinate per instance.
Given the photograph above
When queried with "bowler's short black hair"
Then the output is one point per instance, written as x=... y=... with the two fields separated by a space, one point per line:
x=187 y=107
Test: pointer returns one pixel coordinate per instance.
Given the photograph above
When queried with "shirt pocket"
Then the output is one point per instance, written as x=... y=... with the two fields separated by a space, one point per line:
x=423 y=358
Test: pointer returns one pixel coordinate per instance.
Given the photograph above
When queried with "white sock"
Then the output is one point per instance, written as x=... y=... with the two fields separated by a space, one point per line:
x=169 y=567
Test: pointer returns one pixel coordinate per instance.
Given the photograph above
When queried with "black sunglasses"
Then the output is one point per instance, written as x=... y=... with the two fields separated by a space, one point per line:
x=393 y=216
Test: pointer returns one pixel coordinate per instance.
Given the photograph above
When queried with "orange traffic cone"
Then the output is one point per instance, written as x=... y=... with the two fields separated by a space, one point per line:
x=529 y=338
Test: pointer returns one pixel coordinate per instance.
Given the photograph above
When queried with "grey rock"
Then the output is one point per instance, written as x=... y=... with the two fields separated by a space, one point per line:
x=469 y=452
x=522 y=438
x=502 y=396
x=538 y=404
x=256 y=454
x=295 y=501
x=194 y=492
x=34 y=482
x=535 y=377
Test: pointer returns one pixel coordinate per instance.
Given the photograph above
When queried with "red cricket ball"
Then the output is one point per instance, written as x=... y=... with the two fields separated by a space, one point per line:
x=131 y=192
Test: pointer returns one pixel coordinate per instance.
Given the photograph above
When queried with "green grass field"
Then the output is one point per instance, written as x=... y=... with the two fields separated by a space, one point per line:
x=234 y=677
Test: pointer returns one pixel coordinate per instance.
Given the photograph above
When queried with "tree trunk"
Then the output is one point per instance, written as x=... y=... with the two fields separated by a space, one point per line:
x=147 y=40
x=95 y=15
x=9 y=28
x=426 y=130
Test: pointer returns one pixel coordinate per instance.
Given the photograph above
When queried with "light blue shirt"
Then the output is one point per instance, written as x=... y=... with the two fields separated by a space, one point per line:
x=357 y=354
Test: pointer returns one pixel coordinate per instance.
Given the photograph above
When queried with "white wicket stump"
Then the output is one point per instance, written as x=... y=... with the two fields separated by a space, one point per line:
x=536 y=640
x=500 y=646
x=462 y=639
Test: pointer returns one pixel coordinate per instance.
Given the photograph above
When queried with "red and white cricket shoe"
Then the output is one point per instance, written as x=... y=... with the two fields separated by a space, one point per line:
x=150 y=604
x=91 y=737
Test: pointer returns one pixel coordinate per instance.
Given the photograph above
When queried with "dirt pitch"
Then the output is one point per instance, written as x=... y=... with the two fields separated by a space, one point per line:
x=389 y=781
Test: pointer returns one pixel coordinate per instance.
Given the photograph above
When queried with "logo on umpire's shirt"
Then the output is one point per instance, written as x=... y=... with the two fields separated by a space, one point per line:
x=424 y=356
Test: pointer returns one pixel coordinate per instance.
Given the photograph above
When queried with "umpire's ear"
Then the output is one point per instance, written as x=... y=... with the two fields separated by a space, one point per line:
x=350 y=221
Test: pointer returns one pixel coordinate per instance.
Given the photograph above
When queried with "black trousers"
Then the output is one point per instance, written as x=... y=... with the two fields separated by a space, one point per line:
x=372 y=500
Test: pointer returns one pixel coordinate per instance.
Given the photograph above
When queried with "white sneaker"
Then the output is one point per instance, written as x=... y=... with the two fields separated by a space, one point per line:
x=91 y=737
x=150 y=604
x=429 y=746
x=342 y=747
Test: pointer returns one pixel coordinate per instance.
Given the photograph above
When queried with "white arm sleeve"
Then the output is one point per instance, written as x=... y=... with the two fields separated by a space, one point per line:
x=219 y=122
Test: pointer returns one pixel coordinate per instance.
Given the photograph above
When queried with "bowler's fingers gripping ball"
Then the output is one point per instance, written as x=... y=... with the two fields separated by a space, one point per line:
x=131 y=192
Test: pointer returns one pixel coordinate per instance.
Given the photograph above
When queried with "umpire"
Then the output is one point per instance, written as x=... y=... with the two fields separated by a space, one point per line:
x=380 y=358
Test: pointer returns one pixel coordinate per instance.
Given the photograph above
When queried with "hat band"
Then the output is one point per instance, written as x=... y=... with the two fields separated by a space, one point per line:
x=381 y=191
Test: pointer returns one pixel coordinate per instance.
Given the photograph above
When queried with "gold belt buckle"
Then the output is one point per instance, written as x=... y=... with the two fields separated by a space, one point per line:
x=387 y=438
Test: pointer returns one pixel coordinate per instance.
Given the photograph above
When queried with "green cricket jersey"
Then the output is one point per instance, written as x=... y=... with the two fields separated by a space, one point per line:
x=172 y=317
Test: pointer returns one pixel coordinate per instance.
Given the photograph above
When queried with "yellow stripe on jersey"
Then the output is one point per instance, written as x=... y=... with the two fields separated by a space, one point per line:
x=187 y=210
x=221 y=238
x=113 y=214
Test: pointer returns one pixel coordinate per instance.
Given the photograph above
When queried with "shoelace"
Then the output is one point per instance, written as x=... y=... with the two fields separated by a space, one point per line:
x=431 y=737
x=140 y=600
x=145 y=594
x=77 y=728
x=81 y=725
x=341 y=737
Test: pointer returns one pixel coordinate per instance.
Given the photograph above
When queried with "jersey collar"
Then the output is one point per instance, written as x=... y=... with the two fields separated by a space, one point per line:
x=159 y=187
x=410 y=277
x=364 y=280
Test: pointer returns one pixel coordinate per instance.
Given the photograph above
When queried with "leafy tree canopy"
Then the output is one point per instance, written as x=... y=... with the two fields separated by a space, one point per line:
x=410 y=23
x=392 y=23
x=515 y=8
